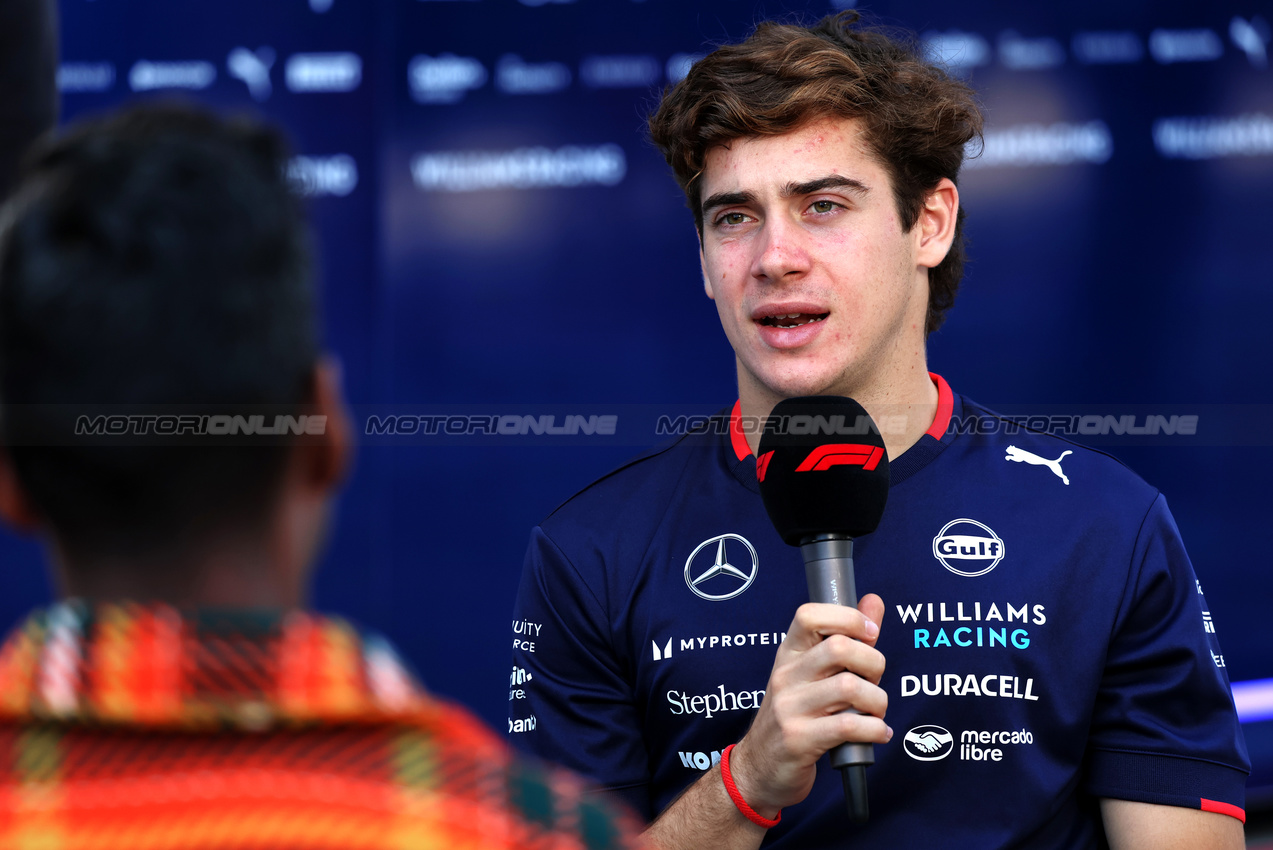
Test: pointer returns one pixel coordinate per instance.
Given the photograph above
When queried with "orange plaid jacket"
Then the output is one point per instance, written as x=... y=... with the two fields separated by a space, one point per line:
x=131 y=727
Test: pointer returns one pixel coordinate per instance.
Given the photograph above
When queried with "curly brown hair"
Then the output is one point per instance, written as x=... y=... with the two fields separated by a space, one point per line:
x=917 y=118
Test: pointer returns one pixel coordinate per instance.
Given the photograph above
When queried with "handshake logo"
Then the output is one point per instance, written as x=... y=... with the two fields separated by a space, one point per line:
x=928 y=743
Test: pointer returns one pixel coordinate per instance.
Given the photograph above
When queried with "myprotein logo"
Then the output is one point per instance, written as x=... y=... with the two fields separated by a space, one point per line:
x=841 y=454
x=738 y=640
x=928 y=743
x=721 y=567
x=968 y=548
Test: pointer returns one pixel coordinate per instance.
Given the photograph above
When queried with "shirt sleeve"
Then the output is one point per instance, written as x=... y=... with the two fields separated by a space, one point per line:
x=570 y=701
x=1164 y=728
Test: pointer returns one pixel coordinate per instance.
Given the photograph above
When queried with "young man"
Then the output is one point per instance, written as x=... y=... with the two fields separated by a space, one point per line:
x=155 y=278
x=1050 y=681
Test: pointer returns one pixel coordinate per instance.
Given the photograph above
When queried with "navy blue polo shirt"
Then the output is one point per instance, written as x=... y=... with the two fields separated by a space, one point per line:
x=1047 y=642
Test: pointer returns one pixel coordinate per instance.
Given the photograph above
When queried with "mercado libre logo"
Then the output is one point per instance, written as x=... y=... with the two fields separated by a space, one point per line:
x=968 y=548
x=928 y=743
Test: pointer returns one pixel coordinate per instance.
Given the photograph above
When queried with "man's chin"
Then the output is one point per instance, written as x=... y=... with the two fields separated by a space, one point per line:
x=789 y=380
x=804 y=385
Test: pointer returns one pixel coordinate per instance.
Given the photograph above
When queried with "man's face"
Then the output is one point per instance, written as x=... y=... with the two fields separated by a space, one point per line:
x=818 y=287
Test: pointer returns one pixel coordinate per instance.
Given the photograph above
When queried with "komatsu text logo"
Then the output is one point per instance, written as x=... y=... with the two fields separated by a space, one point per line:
x=968 y=548
x=699 y=760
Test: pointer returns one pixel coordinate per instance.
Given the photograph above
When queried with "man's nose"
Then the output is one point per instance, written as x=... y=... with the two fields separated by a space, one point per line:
x=780 y=252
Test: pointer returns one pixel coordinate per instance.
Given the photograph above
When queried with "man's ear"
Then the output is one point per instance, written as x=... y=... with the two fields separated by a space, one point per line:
x=329 y=455
x=15 y=507
x=935 y=229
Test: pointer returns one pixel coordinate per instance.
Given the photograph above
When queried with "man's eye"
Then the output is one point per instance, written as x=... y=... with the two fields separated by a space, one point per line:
x=732 y=218
x=823 y=206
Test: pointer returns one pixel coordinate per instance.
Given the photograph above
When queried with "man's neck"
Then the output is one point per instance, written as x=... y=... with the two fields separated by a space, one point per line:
x=903 y=409
x=227 y=576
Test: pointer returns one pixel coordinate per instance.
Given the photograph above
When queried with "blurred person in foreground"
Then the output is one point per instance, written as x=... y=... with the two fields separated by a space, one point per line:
x=156 y=265
x=1052 y=679
x=28 y=78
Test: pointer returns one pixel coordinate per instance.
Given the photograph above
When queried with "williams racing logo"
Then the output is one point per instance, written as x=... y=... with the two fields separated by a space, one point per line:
x=721 y=567
x=968 y=548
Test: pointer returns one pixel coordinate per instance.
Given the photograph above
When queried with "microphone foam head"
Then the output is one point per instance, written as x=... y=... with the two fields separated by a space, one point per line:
x=822 y=468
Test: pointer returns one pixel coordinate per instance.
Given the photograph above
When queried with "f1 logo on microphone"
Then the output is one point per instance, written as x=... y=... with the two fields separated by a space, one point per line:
x=762 y=465
x=837 y=454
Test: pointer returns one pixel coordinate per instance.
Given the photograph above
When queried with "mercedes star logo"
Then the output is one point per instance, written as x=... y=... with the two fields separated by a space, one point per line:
x=713 y=571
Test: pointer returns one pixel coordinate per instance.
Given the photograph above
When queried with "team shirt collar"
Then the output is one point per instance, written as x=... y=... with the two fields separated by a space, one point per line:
x=941 y=420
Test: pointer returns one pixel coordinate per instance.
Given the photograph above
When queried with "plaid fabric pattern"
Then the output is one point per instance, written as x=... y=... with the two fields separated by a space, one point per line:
x=131 y=727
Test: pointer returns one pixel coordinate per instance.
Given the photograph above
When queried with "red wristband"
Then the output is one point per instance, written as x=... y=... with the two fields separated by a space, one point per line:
x=732 y=789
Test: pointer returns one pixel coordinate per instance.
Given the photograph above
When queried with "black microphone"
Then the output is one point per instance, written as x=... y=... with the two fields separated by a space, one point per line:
x=823 y=475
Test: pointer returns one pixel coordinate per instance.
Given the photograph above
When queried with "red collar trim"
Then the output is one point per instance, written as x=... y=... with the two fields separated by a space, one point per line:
x=945 y=407
x=941 y=421
x=736 y=435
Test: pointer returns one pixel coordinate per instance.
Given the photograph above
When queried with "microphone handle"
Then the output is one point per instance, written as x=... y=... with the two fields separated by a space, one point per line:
x=828 y=569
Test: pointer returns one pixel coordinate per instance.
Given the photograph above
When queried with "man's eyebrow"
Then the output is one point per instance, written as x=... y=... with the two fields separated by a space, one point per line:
x=832 y=181
x=726 y=199
x=791 y=190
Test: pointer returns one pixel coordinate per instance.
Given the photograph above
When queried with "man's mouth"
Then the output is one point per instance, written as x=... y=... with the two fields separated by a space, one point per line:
x=793 y=320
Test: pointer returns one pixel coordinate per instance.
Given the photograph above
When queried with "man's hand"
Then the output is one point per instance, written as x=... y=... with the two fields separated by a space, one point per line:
x=827 y=664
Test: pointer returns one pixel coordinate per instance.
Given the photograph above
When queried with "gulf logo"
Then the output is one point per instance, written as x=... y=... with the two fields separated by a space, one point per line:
x=968 y=548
